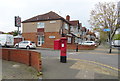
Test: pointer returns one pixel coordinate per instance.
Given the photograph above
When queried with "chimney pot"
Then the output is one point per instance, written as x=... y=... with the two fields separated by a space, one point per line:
x=68 y=18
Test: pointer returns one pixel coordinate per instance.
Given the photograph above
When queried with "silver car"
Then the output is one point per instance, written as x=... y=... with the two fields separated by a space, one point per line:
x=25 y=44
x=89 y=43
x=116 y=43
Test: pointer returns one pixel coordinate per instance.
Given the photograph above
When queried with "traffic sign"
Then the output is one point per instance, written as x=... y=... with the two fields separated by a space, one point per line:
x=106 y=29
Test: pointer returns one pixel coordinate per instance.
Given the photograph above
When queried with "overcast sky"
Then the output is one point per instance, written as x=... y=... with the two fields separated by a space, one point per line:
x=77 y=9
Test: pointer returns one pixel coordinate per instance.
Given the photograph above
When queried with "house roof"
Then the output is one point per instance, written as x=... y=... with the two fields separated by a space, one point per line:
x=1 y=32
x=45 y=17
x=74 y=23
x=91 y=33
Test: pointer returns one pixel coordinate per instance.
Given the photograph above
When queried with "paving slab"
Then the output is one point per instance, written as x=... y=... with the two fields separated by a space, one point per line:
x=14 y=70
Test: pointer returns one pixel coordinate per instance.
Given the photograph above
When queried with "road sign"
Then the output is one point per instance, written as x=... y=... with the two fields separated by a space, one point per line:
x=17 y=21
x=106 y=29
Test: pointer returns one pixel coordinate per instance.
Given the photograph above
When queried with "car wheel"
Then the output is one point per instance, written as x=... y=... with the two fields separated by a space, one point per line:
x=16 y=47
x=27 y=47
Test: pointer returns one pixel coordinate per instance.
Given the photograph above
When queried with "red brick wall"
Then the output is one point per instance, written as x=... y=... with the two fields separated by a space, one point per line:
x=16 y=40
x=23 y=56
x=34 y=60
x=49 y=42
x=20 y=56
x=5 y=54
x=81 y=47
x=30 y=36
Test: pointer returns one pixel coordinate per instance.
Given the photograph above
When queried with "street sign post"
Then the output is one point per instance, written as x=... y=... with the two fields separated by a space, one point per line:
x=106 y=30
x=17 y=21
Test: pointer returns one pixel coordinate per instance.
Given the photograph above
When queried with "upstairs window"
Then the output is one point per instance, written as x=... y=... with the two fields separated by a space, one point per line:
x=40 y=25
x=66 y=26
x=76 y=40
x=71 y=28
x=69 y=40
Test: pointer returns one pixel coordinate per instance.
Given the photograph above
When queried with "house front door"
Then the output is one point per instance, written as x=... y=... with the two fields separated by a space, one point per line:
x=40 y=40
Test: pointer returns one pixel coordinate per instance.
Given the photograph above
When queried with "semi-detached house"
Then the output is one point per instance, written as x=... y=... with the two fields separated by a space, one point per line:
x=44 y=29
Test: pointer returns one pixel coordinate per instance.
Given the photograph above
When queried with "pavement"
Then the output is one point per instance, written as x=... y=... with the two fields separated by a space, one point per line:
x=52 y=68
x=75 y=69
x=14 y=70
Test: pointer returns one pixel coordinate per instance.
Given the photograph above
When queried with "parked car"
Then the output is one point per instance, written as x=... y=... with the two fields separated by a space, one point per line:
x=116 y=43
x=6 y=40
x=25 y=44
x=89 y=43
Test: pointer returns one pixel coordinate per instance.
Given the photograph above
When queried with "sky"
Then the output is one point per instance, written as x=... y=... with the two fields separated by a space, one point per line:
x=77 y=9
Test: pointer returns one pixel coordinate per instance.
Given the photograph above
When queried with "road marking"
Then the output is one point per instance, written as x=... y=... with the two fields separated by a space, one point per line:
x=96 y=63
x=105 y=49
x=96 y=53
x=104 y=65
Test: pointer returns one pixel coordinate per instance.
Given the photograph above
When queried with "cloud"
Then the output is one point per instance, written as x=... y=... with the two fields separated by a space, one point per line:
x=12 y=3
x=77 y=9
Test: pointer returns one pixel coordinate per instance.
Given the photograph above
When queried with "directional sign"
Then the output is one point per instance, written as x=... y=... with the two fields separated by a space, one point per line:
x=106 y=29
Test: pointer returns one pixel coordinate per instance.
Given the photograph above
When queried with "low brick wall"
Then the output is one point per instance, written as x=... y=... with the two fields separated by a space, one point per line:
x=30 y=58
x=81 y=47
x=73 y=46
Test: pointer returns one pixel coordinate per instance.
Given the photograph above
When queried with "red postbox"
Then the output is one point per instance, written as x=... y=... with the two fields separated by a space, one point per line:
x=57 y=44
x=61 y=44
x=63 y=55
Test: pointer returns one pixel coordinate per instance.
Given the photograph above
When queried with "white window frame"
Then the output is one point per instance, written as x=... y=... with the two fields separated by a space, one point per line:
x=66 y=26
x=52 y=22
x=76 y=40
x=69 y=40
x=40 y=25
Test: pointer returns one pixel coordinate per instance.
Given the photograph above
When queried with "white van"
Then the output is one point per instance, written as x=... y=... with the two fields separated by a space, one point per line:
x=116 y=43
x=6 y=40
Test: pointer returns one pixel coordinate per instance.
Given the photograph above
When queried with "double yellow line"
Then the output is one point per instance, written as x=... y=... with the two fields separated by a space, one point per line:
x=97 y=63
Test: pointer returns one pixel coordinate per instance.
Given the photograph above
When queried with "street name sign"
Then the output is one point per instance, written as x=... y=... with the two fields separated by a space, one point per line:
x=106 y=29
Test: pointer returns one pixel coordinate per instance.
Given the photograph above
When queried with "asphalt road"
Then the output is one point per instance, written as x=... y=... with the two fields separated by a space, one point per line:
x=75 y=67
x=99 y=56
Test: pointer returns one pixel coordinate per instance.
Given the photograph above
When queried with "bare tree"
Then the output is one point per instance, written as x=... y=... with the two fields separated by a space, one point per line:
x=104 y=15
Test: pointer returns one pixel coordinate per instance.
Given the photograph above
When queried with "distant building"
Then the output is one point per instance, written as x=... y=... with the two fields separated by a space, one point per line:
x=1 y=32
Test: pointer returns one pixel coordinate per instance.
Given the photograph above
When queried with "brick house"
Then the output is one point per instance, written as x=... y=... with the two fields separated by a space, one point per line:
x=91 y=36
x=44 y=29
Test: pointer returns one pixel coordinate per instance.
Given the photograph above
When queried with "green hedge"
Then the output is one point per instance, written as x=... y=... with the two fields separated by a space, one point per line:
x=116 y=37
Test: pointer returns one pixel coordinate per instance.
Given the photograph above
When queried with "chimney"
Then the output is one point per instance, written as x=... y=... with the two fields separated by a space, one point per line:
x=68 y=18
